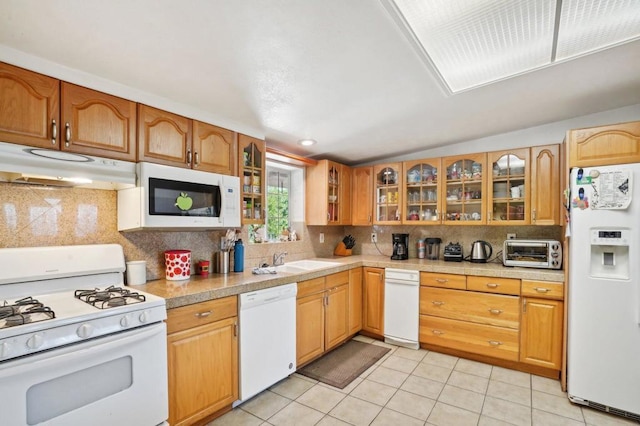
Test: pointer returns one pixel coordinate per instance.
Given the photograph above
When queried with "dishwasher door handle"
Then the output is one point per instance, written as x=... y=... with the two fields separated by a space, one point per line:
x=397 y=282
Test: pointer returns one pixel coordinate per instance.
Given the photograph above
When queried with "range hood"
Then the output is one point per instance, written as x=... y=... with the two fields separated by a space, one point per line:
x=39 y=166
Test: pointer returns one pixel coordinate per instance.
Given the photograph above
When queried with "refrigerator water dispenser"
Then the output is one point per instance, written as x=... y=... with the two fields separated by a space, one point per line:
x=609 y=254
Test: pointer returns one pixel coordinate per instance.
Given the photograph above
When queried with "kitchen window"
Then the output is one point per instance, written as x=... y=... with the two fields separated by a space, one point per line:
x=284 y=211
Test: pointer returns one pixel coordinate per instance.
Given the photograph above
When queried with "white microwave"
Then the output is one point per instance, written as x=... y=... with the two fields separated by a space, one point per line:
x=176 y=199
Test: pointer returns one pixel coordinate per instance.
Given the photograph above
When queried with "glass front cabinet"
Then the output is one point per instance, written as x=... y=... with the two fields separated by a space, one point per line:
x=508 y=187
x=388 y=195
x=421 y=195
x=251 y=164
x=463 y=194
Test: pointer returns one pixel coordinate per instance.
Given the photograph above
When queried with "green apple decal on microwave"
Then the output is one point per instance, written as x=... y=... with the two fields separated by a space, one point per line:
x=184 y=202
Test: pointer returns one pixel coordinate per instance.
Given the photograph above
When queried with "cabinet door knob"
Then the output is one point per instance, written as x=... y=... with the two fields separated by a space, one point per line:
x=495 y=311
x=204 y=314
x=541 y=289
x=494 y=342
x=437 y=332
x=188 y=156
x=437 y=302
x=196 y=163
x=442 y=280
x=492 y=285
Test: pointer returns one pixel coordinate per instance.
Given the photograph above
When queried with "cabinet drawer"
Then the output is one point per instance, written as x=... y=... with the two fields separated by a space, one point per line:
x=497 y=342
x=484 y=308
x=335 y=280
x=543 y=289
x=197 y=314
x=305 y=288
x=494 y=285
x=443 y=280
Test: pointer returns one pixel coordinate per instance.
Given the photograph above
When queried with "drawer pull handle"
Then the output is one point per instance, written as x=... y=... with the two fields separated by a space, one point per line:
x=437 y=332
x=492 y=285
x=495 y=311
x=441 y=280
x=541 y=289
x=203 y=314
x=437 y=302
x=494 y=342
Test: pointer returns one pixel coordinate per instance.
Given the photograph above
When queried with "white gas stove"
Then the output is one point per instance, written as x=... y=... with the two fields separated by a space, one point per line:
x=66 y=316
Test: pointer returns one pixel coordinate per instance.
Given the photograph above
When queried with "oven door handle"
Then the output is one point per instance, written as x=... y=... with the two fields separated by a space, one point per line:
x=51 y=359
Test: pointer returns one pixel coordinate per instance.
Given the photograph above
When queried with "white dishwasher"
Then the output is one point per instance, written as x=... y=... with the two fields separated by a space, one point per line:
x=267 y=338
x=401 y=307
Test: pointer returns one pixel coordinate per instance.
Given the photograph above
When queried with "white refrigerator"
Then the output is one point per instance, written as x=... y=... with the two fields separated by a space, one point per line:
x=604 y=289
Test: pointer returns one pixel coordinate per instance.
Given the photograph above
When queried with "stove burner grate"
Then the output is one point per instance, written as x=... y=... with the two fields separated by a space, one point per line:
x=24 y=311
x=110 y=297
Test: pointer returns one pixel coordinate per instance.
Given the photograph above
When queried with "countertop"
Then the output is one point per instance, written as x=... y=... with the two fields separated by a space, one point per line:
x=214 y=286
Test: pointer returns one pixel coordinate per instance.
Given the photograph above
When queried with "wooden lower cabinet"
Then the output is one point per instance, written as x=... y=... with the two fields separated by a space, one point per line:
x=497 y=342
x=309 y=327
x=542 y=324
x=355 y=300
x=202 y=352
x=322 y=315
x=373 y=305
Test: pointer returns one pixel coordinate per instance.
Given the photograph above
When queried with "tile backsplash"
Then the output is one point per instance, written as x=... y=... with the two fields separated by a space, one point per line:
x=33 y=215
x=46 y=216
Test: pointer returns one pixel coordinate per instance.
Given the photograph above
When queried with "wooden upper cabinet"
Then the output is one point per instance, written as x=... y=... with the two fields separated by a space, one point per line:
x=604 y=145
x=422 y=203
x=362 y=196
x=388 y=195
x=545 y=185
x=164 y=138
x=328 y=194
x=508 y=187
x=29 y=108
x=252 y=166
x=214 y=149
x=95 y=123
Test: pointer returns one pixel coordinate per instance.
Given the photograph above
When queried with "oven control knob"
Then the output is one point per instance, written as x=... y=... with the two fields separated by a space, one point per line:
x=124 y=321
x=35 y=341
x=84 y=331
x=5 y=349
x=144 y=317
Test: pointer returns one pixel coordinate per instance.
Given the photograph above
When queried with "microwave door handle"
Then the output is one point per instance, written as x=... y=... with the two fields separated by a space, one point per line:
x=223 y=201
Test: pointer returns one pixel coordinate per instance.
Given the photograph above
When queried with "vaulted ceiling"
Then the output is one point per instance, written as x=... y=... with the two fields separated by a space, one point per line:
x=345 y=73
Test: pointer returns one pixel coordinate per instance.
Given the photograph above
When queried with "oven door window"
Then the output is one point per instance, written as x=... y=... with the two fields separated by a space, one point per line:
x=175 y=198
x=50 y=399
x=527 y=253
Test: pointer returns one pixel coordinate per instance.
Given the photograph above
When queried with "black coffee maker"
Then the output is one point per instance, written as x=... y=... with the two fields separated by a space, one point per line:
x=400 y=246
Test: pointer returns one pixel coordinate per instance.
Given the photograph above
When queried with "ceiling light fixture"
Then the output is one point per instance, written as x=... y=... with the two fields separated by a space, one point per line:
x=471 y=44
x=307 y=142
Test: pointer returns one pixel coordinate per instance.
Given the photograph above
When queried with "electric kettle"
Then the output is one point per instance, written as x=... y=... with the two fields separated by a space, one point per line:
x=479 y=252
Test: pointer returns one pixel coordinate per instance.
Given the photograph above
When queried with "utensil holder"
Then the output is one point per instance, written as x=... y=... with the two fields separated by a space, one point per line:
x=342 y=250
x=222 y=262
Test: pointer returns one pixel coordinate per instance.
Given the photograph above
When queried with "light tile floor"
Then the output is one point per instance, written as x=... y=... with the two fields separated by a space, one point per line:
x=409 y=387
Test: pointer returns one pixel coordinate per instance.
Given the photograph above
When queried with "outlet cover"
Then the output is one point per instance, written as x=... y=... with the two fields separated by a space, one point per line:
x=374 y=237
x=322 y=237
x=511 y=236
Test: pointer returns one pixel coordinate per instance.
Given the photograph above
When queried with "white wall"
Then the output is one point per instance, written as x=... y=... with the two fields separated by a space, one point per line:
x=540 y=135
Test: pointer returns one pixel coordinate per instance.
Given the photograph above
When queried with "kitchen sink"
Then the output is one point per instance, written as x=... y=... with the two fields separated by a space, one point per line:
x=311 y=265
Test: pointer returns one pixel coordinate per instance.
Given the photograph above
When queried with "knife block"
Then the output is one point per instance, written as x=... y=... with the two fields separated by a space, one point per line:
x=342 y=250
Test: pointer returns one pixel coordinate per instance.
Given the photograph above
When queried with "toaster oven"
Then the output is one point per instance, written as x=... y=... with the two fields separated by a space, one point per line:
x=545 y=254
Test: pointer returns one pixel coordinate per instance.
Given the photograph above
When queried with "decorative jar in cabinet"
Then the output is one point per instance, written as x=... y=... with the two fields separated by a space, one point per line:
x=388 y=195
x=463 y=192
x=508 y=187
x=421 y=192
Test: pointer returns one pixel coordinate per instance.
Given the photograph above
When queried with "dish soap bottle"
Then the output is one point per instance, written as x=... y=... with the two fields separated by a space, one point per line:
x=238 y=257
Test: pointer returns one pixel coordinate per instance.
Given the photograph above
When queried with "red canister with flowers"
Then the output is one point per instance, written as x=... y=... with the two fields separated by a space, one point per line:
x=178 y=264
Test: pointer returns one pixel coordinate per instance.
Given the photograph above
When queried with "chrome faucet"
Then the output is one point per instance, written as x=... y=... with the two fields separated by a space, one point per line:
x=278 y=258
